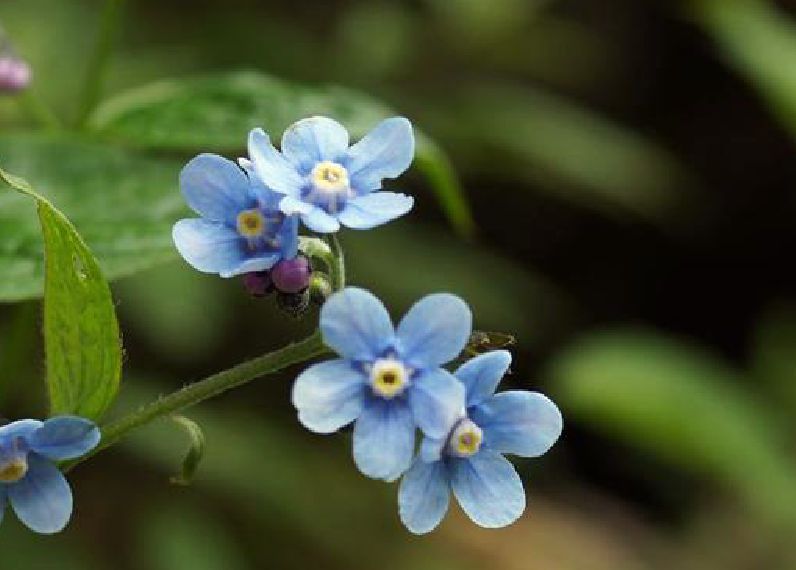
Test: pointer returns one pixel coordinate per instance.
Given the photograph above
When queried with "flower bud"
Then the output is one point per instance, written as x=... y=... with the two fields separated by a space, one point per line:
x=320 y=288
x=292 y=275
x=15 y=74
x=294 y=304
x=258 y=283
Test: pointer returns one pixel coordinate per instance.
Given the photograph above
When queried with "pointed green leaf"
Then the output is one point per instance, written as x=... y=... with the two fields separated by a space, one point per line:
x=81 y=334
x=214 y=113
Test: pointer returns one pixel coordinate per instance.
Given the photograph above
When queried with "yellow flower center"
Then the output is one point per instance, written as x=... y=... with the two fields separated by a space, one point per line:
x=330 y=177
x=251 y=223
x=13 y=471
x=466 y=439
x=388 y=377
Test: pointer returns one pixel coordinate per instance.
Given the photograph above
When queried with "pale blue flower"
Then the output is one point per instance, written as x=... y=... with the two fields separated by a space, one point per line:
x=388 y=380
x=326 y=181
x=29 y=480
x=469 y=461
x=241 y=229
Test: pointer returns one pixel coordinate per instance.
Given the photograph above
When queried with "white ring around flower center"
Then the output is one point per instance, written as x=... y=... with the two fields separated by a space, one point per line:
x=328 y=176
x=466 y=439
x=388 y=377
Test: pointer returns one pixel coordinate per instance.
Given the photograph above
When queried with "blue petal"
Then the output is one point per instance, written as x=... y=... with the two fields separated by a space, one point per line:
x=329 y=395
x=424 y=496
x=435 y=330
x=19 y=428
x=437 y=401
x=356 y=325
x=290 y=206
x=385 y=152
x=209 y=247
x=519 y=422
x=384 y=439
x=313 y=140
x=374 y=209
x=319 y=221
x=267 y=197
x=482 y=374
x=65 y=437
x=215 y=188
x=431 y=448
x=273 y=169
x=42 y=499
x=260 y=263
x=488 y=489
x=288 y=236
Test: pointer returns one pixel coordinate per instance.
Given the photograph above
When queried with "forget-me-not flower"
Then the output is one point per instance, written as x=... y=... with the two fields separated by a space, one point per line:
x=469 y=459
x=388 y=380
x=326 y=181
x=241 y=229
x=29 y=480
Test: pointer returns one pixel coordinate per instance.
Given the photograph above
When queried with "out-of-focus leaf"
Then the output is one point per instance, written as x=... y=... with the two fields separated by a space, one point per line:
x=503 y=295
x=185 y=538
x=216 y=112
x=759 y=40
x=774 y=357
x=565 y=149
x=681 y=404
x=81 y=334
x=123 y=204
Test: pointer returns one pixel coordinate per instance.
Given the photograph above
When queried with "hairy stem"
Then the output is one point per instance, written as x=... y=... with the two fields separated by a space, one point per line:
x=211 y=386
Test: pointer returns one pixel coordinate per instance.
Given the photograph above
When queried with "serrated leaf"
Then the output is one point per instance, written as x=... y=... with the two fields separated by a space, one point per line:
x=214 y=113
x=122 y=203
x=682 y=405
x=81 y=333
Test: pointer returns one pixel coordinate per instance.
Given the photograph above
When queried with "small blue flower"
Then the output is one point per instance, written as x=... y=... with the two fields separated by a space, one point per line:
x=469 y=460
x=327 y=182
x=389 y=380
x=241 y=229
x=29 y=480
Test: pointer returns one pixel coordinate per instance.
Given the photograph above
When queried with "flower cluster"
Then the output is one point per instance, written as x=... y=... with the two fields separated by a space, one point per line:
x=250 y=211
x=389 y=382
x=29 y=480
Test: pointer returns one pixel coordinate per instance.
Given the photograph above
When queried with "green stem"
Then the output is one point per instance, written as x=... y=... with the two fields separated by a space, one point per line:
x=98 y=64
x=338 y=267
x=211 y=386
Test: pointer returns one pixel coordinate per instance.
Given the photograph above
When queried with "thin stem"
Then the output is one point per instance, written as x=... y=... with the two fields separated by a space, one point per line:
x=192 y=394
x=338 y=267
x=98 y=64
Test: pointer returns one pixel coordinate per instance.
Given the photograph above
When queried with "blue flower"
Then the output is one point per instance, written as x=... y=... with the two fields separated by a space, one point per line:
x=241 y=229
x=29 y=480
x=469 y=460
x=327 y=182
x=389 y=380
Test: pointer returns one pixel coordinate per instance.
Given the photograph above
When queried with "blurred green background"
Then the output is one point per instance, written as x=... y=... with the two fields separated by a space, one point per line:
x=630 y=169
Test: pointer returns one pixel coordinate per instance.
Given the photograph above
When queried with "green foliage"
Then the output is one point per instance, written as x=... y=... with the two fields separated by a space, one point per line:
x=682 y=405
x=759 y=40
x=215 y=113
x=81 y=334
x=123 y=204
x=196 y=450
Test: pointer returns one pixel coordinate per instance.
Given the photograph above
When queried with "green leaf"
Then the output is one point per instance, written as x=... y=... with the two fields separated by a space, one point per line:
x=81 y=333
x=683 y=405
x=122 y=203
x=773 y=354
x=214 y=113
x=196 y=450
x=759 y=41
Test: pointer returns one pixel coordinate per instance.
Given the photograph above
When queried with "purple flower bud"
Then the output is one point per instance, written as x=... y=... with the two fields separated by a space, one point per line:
x=258 y=284
x=292 y=275
x=15 y=74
